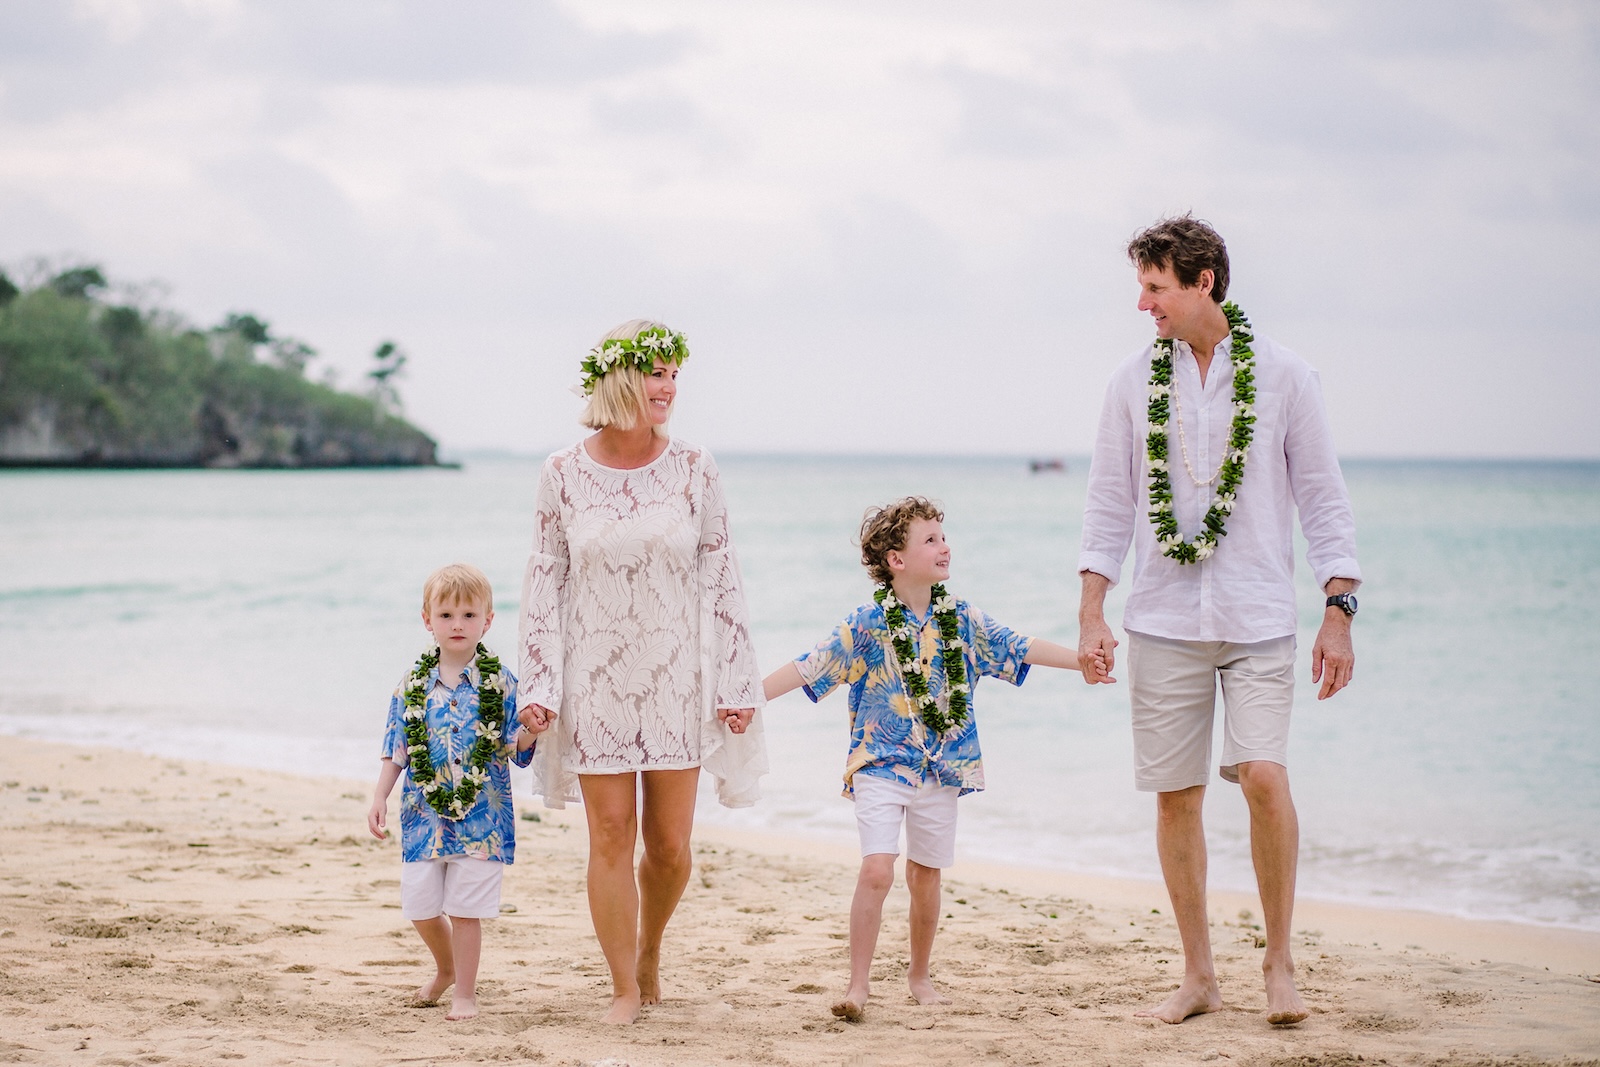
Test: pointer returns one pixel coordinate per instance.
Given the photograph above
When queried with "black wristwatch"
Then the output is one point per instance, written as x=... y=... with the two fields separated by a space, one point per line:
x=1345 y=602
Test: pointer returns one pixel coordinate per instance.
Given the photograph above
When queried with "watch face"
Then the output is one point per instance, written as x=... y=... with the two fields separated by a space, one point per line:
x=1350 y=603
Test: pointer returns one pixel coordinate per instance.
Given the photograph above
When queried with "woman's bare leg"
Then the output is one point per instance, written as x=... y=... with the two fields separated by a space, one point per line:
x=609 y=804
x=667 y=822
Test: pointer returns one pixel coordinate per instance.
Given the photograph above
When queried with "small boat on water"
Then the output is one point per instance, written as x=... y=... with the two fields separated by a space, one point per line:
x=1039 y=465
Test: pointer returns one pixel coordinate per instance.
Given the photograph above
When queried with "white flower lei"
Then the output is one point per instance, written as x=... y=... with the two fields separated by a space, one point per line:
x=451 y=801
x=950 y=649
x=647 y=346
x=1229 y=475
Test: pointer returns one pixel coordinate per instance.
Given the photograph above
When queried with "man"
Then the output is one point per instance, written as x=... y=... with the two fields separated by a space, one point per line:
x=1209 y=440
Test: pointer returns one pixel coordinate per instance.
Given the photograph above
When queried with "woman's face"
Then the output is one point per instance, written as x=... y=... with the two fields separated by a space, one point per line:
x=660 y=388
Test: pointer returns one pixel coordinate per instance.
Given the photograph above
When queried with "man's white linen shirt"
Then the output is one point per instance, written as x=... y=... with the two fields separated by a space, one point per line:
x=1245 y=591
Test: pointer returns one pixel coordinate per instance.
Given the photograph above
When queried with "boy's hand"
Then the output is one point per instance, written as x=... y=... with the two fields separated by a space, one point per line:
x=738 y=719
x=1097 y=666
x=1096 y=646
x=378 y=819
x=535 y=718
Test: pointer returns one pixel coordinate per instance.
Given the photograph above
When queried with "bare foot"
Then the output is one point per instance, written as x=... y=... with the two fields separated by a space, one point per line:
x=462 y=1008
x=848 y=1010
x=648 y=973
x=1195 y=996
x=1284 y=1006
x=427 y=996
x=923 y=990
x=624 y=1010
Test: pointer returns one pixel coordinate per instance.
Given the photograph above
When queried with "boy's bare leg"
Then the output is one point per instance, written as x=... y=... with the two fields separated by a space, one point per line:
x=466 y=942
x=924 y=885
x=436 y=935
x=609 y=805
x=667 y=822
x=1275 y=848
x=1181 y=843
x=866 y=916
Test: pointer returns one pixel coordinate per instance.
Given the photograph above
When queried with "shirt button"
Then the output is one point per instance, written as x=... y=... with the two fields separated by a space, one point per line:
x=458 y=761
x=455 y=729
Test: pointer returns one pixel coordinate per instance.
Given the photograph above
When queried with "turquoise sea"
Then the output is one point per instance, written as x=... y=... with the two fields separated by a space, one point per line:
x=261 y=619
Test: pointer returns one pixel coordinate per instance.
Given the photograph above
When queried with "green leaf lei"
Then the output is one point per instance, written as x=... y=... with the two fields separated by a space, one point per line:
x=1230 y=475
x=453 y=802
x=647 y=346
x=950 y=645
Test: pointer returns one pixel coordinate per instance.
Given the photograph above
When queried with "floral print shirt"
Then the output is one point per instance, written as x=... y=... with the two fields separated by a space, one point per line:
x=488 y=830
x=885 y=740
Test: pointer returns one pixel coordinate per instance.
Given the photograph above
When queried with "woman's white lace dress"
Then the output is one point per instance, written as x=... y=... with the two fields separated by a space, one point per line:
x=634 y=626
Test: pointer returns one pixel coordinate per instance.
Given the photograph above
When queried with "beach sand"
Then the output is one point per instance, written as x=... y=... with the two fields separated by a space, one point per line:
x=156 y=911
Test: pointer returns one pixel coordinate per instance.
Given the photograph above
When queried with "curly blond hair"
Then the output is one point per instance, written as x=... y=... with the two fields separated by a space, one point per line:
x=884 y=530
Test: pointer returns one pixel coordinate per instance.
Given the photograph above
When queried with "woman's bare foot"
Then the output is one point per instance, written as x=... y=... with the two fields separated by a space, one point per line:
x=624 y=1010
x=648 y=974
x=1284 y=1006
x=462 y=1008
x=853 y=1008
x=428 y=995
x=1195 y=996
x=922 y=989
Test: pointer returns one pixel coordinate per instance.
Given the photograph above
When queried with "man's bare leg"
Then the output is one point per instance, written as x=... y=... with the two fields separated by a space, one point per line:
x=1275 y=848
x=1181 y=843
x=866 y=916
x=666 y=825
x=924 y=885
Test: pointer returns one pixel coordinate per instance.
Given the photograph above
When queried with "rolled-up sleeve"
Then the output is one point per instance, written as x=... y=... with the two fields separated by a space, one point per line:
x=1317 y=484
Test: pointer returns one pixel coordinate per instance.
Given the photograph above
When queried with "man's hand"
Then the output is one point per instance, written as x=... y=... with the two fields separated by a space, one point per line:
x=1333 y=657
x=1096 y=645
x=738 y=719
x=535 y=718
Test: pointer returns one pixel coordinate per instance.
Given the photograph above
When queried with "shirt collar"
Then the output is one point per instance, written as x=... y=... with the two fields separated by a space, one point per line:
x=436 y=677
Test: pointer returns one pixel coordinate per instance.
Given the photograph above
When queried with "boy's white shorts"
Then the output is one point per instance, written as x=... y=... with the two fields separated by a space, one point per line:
x=462 y=887
x=928 y=811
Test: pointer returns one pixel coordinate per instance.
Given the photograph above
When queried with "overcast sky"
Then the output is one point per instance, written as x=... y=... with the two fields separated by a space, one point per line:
x=881 y=225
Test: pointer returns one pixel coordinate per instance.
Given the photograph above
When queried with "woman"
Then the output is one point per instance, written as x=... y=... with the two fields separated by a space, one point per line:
x=635 y=641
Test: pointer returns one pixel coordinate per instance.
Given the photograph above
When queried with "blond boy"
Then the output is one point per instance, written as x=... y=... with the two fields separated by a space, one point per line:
x=452 y=725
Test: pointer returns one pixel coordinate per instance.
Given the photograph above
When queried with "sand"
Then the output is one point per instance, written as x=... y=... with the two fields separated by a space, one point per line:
x=156 y=911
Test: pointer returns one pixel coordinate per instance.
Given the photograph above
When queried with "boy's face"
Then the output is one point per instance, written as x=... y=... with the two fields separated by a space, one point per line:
x=926 y=557
x=458 y=626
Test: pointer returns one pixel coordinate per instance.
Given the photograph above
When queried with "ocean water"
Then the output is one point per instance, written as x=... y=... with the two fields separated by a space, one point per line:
x=261 y=619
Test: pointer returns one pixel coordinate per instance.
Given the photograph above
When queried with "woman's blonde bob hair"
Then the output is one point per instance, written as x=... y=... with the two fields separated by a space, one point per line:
x=618 y=397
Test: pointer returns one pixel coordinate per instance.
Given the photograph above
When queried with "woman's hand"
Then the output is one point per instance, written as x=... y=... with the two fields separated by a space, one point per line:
x=738 y=719
x=536 y=718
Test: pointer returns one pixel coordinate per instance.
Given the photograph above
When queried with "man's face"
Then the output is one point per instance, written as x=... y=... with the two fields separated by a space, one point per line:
x=1178 y=312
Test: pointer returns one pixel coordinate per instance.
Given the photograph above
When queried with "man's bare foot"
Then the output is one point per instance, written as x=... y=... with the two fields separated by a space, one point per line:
x=853 y=1007
x=1195 y=996
x=1284 y=1006
x=624 y=1010
x=648 y=973
x=922 y=989
x=462 y=1008
x=428 y=995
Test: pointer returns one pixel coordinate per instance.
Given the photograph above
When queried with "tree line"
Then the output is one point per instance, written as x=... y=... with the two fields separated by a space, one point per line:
x=90 y=380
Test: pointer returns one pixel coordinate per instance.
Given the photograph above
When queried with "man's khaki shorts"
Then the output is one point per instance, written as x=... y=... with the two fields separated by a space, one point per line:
x=1173 y=687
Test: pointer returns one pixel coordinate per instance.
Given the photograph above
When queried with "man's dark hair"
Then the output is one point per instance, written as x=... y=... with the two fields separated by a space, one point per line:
x=1188 y=246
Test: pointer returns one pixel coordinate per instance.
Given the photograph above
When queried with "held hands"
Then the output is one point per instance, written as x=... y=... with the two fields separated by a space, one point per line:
x=738 y=719
x=1097 y=652
x=535 y=718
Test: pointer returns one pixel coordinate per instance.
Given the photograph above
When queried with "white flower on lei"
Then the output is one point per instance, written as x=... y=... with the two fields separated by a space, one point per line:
x=1203 y=550
x=945 y=603
x=1159 y=390
x=1159 y=465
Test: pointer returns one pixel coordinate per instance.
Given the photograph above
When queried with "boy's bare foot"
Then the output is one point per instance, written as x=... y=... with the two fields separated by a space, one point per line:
x=853 y=1008
x=1284 y=1006
x=1195 y=996
x=922 y=989
x=428 y=995
x=462 y=1008
x=648 y=974
x=624 y=1010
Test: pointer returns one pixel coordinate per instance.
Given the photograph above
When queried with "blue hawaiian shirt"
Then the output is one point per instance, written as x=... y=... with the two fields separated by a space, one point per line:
x=488 y=830
x=885 y=740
